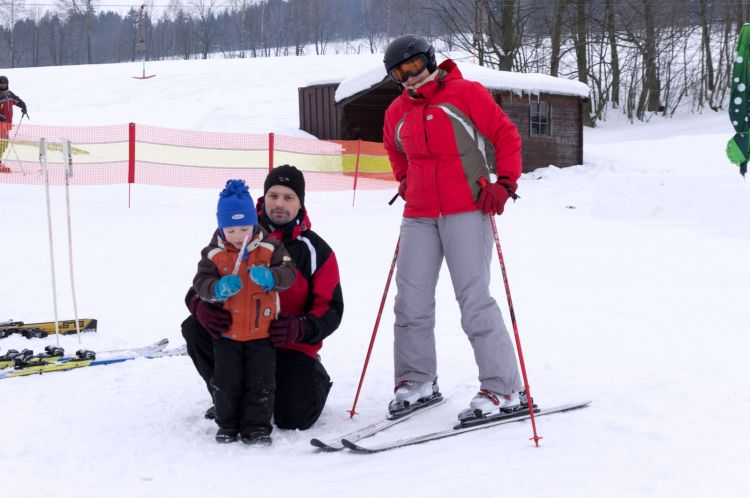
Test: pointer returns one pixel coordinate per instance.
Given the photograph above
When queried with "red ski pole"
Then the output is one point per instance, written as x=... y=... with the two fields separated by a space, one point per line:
x=353 y=411
x=536 y=438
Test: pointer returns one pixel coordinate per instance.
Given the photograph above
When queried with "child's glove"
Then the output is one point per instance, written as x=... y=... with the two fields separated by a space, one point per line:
x=263 y=277
x=226 y=287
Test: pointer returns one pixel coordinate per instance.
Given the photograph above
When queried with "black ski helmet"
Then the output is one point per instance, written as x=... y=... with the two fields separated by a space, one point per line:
x=4 y=79
x=404 y=48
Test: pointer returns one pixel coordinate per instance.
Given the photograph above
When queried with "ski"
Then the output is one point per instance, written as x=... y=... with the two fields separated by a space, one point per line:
x=43 y=329
x=54 y=354
x=459 y=429
x=336 y=444
x=88 y=359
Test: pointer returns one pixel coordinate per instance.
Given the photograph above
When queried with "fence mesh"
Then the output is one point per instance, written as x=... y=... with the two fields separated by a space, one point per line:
x=150 y=155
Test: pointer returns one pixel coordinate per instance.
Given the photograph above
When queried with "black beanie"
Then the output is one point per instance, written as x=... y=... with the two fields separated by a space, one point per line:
x=288 y=176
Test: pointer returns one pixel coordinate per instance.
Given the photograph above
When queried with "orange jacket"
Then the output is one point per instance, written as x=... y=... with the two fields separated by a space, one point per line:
x=252 y=308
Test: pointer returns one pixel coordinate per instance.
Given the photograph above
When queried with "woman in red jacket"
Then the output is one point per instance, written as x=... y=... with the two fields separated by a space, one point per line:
x=446 y=137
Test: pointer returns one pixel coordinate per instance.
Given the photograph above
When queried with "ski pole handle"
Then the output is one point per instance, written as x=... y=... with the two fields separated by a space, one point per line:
x=390 y=203
x=236 y=269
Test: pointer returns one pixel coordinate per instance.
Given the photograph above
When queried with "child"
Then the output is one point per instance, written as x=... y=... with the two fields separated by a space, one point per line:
x=244 y=376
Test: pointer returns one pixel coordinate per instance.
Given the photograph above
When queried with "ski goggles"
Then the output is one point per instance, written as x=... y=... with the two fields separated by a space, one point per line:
x=408 y=68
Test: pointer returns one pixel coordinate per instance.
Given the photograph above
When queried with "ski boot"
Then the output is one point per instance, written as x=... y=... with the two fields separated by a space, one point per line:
x=411 y=395
x=226 y=436
x=256 y=438
x=488 y=404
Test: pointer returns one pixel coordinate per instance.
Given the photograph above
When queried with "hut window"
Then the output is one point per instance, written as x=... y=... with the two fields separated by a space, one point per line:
x=539 y=119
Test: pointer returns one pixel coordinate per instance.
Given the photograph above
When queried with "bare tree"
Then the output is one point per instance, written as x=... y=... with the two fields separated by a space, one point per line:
x=372 y=22
x=556 y=36
x=611 y=30
x=83 y=12
x=651 y=83
x=204 y=10
x=10 y=12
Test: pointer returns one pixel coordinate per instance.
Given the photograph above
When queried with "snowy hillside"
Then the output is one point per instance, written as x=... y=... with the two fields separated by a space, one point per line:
x=629 y=277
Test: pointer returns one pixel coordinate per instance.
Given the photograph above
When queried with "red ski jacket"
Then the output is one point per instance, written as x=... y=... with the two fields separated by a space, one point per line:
x=7 y=100
x=443 y=137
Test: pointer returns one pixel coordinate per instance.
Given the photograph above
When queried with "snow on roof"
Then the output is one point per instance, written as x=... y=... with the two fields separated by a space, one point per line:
x=520 y=83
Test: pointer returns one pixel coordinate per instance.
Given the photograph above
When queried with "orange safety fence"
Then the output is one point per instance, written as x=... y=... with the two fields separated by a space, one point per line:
x=150 y=155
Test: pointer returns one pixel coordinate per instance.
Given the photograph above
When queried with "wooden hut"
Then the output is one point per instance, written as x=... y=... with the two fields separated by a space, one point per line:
x=546 y=110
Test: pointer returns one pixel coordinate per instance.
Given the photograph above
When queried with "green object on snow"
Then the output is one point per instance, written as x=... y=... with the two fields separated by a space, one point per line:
x=738 y=148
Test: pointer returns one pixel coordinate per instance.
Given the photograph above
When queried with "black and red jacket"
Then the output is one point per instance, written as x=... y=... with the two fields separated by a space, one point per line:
x=316 y=292
x=7 y=100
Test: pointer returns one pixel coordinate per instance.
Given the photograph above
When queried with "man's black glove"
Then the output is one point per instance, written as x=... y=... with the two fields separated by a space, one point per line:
x=288 y=329
x=214 y=319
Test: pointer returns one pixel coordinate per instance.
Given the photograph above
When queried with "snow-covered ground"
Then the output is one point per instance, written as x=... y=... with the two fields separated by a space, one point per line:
x=629 y=277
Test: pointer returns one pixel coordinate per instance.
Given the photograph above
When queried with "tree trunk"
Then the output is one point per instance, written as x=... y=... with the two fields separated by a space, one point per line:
x=652 y=84
x=614 y=57
x=556 y=37
x=508 y=36
x=706 y=48
x=581 y=30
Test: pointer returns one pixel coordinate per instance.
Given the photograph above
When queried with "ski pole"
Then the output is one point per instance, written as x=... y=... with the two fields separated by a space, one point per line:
x=67 y=157
x=45 y=172
x=12 y=145
x=353 y=411
x=536 y=438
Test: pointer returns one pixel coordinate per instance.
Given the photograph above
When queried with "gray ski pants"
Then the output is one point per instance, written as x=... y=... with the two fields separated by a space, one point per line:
x=465 y=241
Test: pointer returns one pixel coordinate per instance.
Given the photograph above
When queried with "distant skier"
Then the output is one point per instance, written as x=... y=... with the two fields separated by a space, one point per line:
x=7 y=100
x=246 y=285
x=457 y=157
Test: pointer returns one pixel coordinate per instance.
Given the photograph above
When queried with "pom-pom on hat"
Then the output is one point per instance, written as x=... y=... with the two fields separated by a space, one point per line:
x=288 y=176
x=236 y=206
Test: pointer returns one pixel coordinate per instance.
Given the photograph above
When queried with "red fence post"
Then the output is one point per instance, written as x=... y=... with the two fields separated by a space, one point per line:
x=131 y=157
x=270 y=151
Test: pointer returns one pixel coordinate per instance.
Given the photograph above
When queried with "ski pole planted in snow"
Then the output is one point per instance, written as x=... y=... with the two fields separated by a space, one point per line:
x=13 y=147
x=68 y=173
x=535 y=437
x=353 y=411
x=45 y=172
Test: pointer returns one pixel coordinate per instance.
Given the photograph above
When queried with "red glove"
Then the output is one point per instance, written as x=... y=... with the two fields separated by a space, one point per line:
x=287 y=329
x=402 y=189
x=493 y=196
x=213 y=319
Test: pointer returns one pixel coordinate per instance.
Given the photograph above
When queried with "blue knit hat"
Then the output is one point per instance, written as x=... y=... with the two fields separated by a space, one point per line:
x=236 y=206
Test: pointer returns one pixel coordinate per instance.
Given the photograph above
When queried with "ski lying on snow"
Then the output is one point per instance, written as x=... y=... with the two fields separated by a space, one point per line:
x=74 y=363
x=28 y=356
x=43 y=329
x=458 y=429
x=336 y=444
